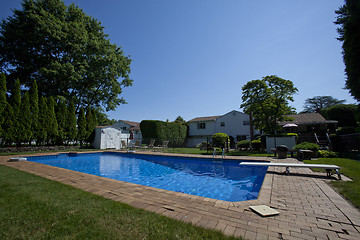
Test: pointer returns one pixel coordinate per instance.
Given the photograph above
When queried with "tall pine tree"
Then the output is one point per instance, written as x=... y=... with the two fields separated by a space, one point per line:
x=61 y=115
x=34 y=108
x=81 y=126
x=41 y=135
x=15 y=101
x=52 y=127
x=2 y=101
x=91 y=123
x=25 y=119
x=70 y=126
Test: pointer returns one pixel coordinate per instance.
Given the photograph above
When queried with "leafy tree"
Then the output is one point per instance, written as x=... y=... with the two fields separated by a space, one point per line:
x=34 y=109
x=268 y=101
x=52 y=126
x=81 y=122
x=70 y=126
x=41 y=134
x=349 y=33
x=66 y=51
x=8 y=124
x=25 y=119
x=317 y=103
x=103 y=119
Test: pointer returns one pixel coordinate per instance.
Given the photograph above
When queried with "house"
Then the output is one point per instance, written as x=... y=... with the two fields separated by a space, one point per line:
x=111 y=137
x=311 y=123
x=235 y=124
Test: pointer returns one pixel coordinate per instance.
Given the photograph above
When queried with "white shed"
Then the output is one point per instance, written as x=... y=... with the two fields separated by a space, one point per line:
x=107 y=137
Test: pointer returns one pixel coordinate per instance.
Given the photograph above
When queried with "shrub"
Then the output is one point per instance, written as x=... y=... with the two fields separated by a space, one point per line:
x=256 y=144
x=203 y=145
x=219 y=139
x=307 y=146
x=244 y=144
x=327 y=154
x=345 y=130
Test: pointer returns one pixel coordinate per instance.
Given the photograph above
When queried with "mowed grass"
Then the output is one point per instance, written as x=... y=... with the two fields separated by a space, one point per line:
x=350 y=168
x=32 y=207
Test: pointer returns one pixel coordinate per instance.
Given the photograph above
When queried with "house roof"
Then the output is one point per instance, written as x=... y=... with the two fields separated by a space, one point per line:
x=133 y=125
x=307 y=118
x=204 y=119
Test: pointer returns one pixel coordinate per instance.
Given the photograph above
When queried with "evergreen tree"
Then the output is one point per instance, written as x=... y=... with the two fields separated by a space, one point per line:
x=15 y=101
x=52 y=127
x=41 y=135
x=61 y=115
x=25 y=119
x=8 y=125
x=70 y=126
x=91 y=124
x=2 y=101
x=34 y=108
x=81 y=126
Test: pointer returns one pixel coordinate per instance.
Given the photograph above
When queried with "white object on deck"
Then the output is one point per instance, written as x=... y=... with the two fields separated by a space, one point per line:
x=17 y=159
x=288 y=165
x=264 y=210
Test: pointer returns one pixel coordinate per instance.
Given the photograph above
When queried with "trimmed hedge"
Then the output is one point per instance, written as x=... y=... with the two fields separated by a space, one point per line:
x=244 y=144
x=161 y=131
x=307 y=146
x=256 y=144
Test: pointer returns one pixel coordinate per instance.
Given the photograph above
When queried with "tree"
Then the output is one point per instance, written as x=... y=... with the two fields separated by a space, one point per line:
x=220 y=139
x=34 y=109
x=179 y=119
x=317 y=103
x=81 y=122
x=61 y=115
x=52 y=126
x=268 y=101
x=25 y=119
x=3 y=101
x=41 y=134
x=15 y=102
x=70 y=126
x=349 y=33
x=91 y=124
x=66 y=51
x=345 y=114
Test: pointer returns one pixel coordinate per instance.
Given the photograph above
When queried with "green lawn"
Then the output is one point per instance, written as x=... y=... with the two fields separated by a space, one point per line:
x=351 y=169
x=32 y=207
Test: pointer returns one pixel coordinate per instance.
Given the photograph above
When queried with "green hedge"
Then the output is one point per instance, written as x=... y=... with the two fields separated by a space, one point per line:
x=307 y=146
x=220 y=139
x=175 y=133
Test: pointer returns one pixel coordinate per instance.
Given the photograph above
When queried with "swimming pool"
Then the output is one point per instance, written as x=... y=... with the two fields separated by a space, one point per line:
x=222 y=180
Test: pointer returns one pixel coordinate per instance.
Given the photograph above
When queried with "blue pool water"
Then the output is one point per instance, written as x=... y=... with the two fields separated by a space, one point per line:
x=202 y=177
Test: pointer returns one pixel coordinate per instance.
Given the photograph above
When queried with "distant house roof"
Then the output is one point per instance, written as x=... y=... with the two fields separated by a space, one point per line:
x=203 y=119
x=133 y=125
x=307 y=118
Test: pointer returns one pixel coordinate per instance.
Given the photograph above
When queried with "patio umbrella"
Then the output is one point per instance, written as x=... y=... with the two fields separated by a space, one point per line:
x=290 y=125
x=131 y=135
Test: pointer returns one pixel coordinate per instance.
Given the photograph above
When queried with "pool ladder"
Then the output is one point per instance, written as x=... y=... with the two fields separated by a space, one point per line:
x=222 y=155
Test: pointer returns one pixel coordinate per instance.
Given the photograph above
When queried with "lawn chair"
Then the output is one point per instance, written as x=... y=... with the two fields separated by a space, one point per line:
x=135 y=145
x=151 y=144
x=163 y=146
x=123 y=144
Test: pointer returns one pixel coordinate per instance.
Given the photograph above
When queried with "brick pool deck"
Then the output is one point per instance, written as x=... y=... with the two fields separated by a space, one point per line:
x=309 y=208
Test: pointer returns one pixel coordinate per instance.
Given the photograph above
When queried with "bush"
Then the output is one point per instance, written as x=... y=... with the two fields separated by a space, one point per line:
x=219 y=139
x=256 y=144
x=307 y=146
x=345 y=130
x=327 y=154
x=203 y=145
x=244 y=144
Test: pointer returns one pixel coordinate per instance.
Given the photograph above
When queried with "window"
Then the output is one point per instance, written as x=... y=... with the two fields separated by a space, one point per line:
x=240 y=137
x=201 y=125
x=222 y=124
x=123 y=128
x=246 y=123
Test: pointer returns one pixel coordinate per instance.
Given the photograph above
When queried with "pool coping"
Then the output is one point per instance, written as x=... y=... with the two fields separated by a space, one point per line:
x=232 y=218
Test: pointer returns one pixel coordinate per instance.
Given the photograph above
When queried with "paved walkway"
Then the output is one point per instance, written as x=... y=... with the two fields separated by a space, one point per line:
x=309 y=208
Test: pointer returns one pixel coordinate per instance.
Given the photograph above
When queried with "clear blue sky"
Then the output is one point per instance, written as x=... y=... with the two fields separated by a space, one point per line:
x=192 y=57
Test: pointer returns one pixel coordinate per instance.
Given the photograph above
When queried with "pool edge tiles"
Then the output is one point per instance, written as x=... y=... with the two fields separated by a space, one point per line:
x=221 y=181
